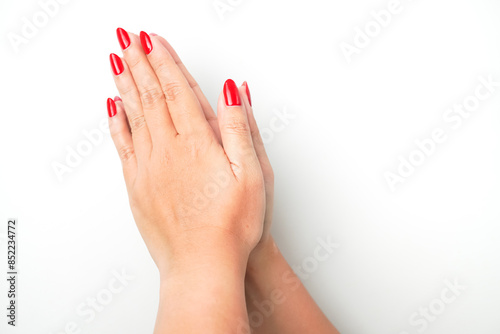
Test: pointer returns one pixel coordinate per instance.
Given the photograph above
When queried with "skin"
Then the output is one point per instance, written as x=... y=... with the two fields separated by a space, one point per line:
x=214 y=253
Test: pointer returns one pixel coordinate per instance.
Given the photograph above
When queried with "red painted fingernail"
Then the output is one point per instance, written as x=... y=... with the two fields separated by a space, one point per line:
x=111 y=107
x=117 y=98
x=123 y=38
x=146 y=43
x=116 y=64
x=248 y=93
x=231 y=94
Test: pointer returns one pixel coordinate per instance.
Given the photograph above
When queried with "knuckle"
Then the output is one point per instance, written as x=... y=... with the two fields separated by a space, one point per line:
x=172 y=90
x=236 y=126
x=137 y=122
x=126 y=153
x=161 y=67
x=128 y=92
x=134 y=59
x=150 y=96
x=114 y=129
x=193 y=149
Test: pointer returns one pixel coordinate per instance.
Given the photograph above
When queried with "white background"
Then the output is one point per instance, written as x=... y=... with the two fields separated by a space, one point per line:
x=352 y=121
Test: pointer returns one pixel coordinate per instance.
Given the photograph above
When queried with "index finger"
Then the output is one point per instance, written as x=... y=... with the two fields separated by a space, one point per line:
x=207 y=108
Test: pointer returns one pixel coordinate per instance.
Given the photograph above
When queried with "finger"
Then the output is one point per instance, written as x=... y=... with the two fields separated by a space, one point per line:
x=122 y=138
x=128 y=90
x=119 y=102
x=185 y=109
x=205 y=105
x=155 y=110
x=234 y=128
x=258 y=143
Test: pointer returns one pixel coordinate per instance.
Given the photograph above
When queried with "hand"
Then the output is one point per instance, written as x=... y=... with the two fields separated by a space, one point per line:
x=191 y=193
x=225 y=154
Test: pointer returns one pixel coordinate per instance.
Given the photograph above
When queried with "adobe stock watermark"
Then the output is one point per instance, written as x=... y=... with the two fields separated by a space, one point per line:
x=222 y=7
x=453 y=118
x=34 y=23
x=280 y=120
x=278 y=123
x=379 y=20
x=84 y=147
x=421 y=319
x=265 y=308
x=88 y=309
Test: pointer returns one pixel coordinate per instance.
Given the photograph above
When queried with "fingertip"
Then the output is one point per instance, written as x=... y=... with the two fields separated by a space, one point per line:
x=247 y=92
x=245 y=99
x=116 y=64
x=146 y=43
x=111 y=106
x=231 y=94
x=117 y=98
x=118 y=122
x=123 y=38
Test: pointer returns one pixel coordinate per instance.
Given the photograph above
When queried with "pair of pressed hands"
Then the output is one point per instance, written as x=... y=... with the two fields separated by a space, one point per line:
x=201 y=191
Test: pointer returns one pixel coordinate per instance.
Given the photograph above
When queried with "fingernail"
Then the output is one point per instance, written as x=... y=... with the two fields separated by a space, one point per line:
x=117 y=98
x=123 y=38
x=116 y=64
x=111 y=107
x=231 y=94
x=248 y=93
x=146 y=43
x=152 y=34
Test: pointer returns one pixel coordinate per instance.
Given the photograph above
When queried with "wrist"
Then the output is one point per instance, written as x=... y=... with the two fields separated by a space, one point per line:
x=261 y=258
x=210 y=253
x=208 y=283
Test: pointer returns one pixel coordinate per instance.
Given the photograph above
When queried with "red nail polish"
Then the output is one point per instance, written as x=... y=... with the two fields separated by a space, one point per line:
x=117 y=98
x=146 y=42
x=123 y=38
x=248 y=93
x=111 y=108
x=116 y=64
x=231 y=94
